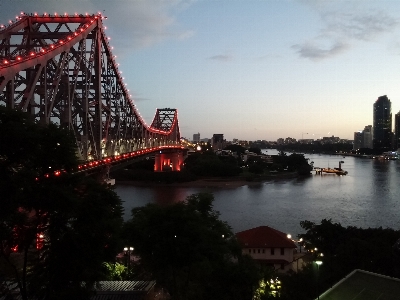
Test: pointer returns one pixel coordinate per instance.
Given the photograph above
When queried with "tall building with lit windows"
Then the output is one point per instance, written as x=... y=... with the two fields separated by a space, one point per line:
x=382 y=128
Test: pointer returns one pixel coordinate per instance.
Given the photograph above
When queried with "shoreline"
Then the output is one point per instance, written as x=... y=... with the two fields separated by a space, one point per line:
x=213 y=182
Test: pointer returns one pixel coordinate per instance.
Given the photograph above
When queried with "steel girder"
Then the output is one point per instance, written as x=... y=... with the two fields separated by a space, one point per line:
x=61 y=69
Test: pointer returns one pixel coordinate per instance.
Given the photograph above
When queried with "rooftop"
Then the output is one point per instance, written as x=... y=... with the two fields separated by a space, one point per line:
x=361 y=285
x=264 y=237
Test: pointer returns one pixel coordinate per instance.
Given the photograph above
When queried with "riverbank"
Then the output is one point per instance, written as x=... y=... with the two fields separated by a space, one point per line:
x=213 y=182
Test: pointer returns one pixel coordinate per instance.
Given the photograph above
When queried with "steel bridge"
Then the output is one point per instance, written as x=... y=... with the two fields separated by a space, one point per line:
x=60 y=69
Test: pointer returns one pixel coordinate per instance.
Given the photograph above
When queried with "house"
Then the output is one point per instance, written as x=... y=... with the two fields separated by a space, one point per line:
x=269 y=247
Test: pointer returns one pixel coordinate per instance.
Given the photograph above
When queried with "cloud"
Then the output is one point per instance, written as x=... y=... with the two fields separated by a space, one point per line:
x=222 y=57
x=133 y=24
x=315 y=52
x=343 y=27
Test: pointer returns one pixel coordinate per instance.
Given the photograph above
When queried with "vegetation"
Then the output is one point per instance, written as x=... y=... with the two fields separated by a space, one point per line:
x=342 y=250
x=294 y=162
x=317 y=147
x=190 y=252
x=210 y=164
x=56 y=229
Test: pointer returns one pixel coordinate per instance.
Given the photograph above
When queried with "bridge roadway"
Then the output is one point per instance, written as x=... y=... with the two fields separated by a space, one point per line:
x=113 y=163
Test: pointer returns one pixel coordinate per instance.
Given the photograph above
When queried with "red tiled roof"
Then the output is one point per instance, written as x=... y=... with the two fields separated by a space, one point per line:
x=264 y=237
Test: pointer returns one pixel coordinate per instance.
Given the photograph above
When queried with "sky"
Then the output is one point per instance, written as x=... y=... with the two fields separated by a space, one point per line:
x=251 y=69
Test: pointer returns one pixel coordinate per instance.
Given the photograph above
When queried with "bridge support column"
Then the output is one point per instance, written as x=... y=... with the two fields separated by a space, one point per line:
x=169 y=161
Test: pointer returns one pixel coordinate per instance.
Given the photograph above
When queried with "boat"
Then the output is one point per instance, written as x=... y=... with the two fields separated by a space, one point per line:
x=337 y=171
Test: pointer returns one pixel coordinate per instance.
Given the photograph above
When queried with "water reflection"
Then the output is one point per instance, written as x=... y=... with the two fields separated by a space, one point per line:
x=367 y=197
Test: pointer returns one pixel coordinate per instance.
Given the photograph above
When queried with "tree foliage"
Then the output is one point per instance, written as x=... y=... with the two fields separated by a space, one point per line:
x=190 y=252
x=293 y=162
x=347 y=248
x=209 y=164
x=75 y=219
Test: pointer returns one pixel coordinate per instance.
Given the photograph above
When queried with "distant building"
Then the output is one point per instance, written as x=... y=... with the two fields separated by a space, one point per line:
x=330 y=140
x=269 y=247
x=363 y=138
x=368 y=137
x=397 y=131
x=382 y=130
x=306 y=141
x=358 y=140
x=196 y=137
x=218 y=141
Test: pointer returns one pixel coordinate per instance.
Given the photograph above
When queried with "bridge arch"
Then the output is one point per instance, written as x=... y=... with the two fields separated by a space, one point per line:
x=60 y=69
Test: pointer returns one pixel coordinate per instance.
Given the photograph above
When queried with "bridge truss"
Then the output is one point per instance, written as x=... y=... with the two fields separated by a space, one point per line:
x=60 y=69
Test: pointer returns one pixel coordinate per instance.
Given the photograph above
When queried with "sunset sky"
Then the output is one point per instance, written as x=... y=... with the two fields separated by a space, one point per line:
x=251 y=69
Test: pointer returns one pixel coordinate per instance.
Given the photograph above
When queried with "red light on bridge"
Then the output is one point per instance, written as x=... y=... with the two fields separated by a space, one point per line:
x=57 y=173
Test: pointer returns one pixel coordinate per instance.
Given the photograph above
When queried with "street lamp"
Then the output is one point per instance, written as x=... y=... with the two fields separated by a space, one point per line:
x=127 y=253
x=318 y=262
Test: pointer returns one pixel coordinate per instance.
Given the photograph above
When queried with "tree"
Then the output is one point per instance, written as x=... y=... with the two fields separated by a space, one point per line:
x=56 y=228
x=256 y=150
x=238 y=149
x=347 y=248
x=209 y=164
x=190 y=252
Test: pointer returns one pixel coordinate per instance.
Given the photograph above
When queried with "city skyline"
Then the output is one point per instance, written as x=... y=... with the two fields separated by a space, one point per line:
x=251 y=69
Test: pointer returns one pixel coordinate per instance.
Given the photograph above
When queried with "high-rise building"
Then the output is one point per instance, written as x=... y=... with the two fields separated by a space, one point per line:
x=382 y=130
x=363 y=138
x=367 y=137
x=358 y=140
x=196 y=137
x=397 y=131
x=218 y=141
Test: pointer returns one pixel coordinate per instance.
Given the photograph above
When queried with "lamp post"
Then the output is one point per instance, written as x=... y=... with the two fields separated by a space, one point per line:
x=127 y=253
x=318 y=262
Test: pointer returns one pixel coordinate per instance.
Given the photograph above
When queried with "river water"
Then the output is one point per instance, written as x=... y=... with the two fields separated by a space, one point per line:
x=369 y=196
